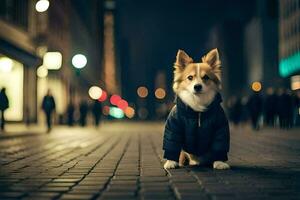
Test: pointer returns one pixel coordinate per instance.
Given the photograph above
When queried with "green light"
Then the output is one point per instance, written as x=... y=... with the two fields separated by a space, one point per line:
x=116 y=112
x=289 y=65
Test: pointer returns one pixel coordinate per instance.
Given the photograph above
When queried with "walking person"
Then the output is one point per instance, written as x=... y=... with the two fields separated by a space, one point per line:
x=70 y=113
x=285 y=109
x=48 y=106
x=4 y=104
x=270 y=107
x=255 y=109
x=97 y=110
x=83 y=109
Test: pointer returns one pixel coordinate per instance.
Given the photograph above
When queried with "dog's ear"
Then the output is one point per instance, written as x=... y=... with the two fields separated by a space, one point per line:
x=212 y=59
x=182 y=59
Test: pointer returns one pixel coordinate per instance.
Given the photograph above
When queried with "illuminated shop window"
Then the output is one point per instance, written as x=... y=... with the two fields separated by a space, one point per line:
x=11 y=77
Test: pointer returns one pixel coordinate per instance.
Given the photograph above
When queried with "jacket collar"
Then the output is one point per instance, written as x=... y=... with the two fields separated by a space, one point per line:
x=186 y=110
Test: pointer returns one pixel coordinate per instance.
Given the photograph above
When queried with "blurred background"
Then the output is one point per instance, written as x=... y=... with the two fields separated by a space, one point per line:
x=121 y=53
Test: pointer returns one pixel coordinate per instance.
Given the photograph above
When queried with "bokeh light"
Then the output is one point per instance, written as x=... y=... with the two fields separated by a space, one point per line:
x=6 y=64
x=42 y=72
x=42 y=5
x=160 y=93
x=103 y=96
x=52 y=60
x=122 y=104
x=114 y=99
x=105 y=110
x=95 y=92
x=142 y=92
x=256 y=86
x=116 y=112
x=79 y=61
x=143 y=113
x=129 y=112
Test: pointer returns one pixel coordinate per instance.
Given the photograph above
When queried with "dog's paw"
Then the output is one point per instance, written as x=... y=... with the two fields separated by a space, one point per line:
x=170 y=164
x=220 y=165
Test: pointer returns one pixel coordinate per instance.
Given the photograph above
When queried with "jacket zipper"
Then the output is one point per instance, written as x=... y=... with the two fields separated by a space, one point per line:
x=199 y=121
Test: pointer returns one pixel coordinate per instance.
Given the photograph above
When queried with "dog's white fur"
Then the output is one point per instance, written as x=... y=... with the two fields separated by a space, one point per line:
x=198 y=101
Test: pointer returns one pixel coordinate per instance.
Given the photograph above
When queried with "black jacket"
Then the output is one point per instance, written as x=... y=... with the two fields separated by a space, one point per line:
x=205 y=134
x=4 y=104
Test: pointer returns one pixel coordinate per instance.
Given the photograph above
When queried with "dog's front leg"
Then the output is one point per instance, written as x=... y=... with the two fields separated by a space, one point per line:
x=220 y=165
x=170 y=164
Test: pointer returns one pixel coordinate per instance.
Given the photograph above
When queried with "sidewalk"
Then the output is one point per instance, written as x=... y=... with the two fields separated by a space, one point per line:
x=124 y=161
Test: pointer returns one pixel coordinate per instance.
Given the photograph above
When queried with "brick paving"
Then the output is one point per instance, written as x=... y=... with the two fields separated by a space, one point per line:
x=124 y=161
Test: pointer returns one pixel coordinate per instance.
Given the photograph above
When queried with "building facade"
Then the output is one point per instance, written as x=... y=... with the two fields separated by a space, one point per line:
x=289 y=41
x=27 y=36
x=18 y=59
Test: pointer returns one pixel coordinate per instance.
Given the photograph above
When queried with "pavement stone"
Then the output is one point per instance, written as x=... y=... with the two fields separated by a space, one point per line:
x=125 y=161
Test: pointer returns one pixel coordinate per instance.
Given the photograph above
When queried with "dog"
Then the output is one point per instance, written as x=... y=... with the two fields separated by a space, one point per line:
x=197 y=130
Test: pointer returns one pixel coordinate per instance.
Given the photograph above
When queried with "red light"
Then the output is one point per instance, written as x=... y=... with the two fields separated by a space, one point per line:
x=114 y=99
x=103 y=96
x=105 y=110
x=122 y=104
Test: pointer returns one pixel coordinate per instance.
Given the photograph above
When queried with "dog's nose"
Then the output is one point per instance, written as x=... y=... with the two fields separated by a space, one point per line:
x=198 y=87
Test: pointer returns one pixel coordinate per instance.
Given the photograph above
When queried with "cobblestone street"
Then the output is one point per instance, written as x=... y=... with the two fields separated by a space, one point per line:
x=124 y=161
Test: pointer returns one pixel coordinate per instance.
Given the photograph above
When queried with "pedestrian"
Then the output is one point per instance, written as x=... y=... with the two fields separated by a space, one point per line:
x=255 y=109
x=48 y=106
x=297 y=108
x=270 y=108
x=70 y=113
x=285 y=109
x=237 y=111
x=97 y=110
x=83 y=109
x=4 y=104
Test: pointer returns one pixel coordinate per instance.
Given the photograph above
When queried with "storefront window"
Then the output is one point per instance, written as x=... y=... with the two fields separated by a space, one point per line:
x=11 y=77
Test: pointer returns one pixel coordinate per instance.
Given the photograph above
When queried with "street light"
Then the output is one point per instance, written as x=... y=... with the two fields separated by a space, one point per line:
x=6 y=64
x=42 y=72
x=42 y=5
x=79 y=61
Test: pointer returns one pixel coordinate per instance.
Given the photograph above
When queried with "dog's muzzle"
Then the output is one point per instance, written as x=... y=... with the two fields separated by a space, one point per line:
x=197 y=88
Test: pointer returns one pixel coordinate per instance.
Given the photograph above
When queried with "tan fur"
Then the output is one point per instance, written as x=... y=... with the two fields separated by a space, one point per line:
x=184 y=69
x=184 y=66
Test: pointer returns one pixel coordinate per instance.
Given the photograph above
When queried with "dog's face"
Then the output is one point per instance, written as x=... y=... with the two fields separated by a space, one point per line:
x=197 y=83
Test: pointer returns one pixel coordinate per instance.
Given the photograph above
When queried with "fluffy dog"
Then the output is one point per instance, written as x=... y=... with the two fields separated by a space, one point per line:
x=197 y=129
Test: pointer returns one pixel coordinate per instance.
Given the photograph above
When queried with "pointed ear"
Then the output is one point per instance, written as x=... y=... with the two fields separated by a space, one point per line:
x=182 y=59
x=212 y=59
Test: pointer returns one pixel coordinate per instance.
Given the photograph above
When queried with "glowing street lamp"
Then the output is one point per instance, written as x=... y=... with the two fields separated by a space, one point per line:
x=79 y=61
x=42 y=72
x=256 y=86
x=95 y=92
x=52 y=60
x=6 y=64
x=42 y=5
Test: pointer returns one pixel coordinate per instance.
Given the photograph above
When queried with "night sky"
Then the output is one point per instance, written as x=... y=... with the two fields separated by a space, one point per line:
x=149 y=33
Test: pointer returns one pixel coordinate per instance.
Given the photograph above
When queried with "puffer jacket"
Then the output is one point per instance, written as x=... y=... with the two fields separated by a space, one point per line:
x=205 y=134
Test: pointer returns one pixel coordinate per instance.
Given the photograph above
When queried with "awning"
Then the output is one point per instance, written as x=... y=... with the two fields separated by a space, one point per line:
x=19 y=54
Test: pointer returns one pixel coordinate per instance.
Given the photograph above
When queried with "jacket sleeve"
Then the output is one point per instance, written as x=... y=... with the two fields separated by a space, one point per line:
x=221 y=142
x=173 y=136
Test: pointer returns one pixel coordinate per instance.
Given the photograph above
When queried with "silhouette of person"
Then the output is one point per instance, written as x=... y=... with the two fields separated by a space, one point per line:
x=237 y=111
x=83 y=109
x=270 y=105
x=285 y=109
x=255 y=109
x=48 y=106
x=4 y=104
x=70 y=113
x=97 y=110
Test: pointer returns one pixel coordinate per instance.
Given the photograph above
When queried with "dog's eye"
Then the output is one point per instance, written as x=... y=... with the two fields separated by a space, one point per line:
x=205 y=77
x=190 y=77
